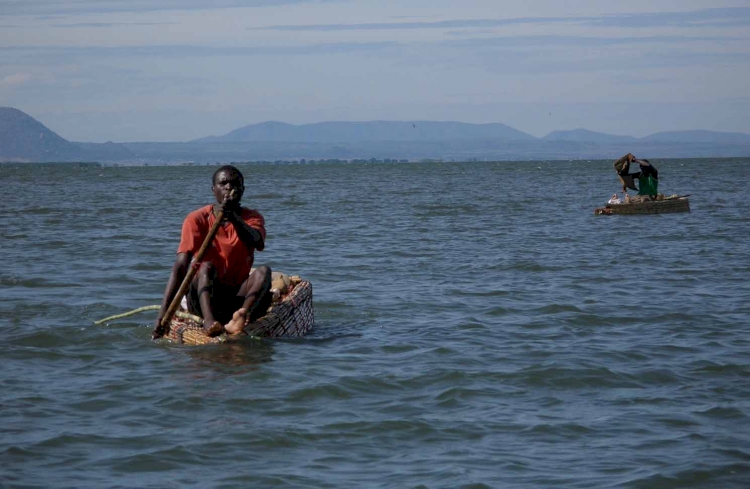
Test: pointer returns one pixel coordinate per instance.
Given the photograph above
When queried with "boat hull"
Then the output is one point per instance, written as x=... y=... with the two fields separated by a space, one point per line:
x=679 y=204
x=292 y=316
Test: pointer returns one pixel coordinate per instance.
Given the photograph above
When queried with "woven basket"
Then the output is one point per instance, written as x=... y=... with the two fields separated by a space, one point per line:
x=291 y=316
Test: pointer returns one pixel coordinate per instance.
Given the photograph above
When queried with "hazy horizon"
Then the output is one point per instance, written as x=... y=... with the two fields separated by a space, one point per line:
x=134 y=70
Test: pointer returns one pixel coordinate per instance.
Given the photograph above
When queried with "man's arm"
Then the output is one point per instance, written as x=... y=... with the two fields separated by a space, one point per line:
x=179 y=270
x=647 y=169
x=252 y=237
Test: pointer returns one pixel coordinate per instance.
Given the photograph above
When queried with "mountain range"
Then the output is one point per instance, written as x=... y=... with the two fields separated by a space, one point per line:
x=24 y=139
x=349 y=132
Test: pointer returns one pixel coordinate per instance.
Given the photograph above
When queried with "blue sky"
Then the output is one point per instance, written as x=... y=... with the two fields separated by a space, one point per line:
x=174 y=70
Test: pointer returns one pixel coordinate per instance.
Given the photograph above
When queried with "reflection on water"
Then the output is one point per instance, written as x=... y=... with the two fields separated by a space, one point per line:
x=235 y=357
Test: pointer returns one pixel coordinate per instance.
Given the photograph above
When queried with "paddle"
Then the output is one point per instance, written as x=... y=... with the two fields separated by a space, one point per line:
x=192 y=270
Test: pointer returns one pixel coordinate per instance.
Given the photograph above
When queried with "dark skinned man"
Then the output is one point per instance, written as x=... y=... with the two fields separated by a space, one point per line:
x=226 y=291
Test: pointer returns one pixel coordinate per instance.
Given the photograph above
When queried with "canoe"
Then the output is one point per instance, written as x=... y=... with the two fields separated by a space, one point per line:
x=291 y=315
x=674 y=204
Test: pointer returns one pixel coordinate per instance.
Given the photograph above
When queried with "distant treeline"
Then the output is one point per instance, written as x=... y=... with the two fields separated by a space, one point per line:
x=301 y=161
x=74 y=164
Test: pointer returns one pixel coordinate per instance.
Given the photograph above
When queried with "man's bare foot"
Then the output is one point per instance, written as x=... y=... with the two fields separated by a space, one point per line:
x=215 y=329
x=237 y=323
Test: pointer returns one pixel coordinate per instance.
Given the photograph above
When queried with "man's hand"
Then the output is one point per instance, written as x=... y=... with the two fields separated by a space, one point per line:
x=230 y=203
x=159 y=330
x=231 y=214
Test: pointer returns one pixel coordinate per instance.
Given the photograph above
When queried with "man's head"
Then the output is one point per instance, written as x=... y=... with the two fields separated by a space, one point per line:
x=225 y=180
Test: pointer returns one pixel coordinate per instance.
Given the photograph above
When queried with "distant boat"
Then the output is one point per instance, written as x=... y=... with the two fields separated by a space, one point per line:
x=675 y=203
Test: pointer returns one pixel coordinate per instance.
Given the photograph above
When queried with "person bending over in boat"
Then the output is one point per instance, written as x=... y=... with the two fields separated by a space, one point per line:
x=622 y=167
x=226 y=291
x=648 y=178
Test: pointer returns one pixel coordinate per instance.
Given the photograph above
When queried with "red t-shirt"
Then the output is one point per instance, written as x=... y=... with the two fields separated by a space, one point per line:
x=231 y=257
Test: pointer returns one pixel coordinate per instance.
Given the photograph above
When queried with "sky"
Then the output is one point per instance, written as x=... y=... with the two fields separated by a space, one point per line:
x=175 y=70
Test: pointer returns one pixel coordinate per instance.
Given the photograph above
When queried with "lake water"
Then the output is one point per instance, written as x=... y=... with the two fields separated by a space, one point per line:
x=476 y=326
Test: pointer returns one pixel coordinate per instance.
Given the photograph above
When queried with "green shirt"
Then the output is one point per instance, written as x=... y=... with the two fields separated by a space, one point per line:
x=647 y=185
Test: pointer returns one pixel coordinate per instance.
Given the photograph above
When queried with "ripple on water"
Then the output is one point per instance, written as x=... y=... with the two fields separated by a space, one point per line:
x=466 y=336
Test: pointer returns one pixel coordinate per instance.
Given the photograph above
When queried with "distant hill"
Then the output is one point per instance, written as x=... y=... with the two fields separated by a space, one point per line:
x=355 y=132
x=672 y=137
x=23 y=138
x=584 y=135
x=699 y=137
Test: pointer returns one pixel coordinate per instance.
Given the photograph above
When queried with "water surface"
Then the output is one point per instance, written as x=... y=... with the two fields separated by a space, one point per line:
x=476 y=326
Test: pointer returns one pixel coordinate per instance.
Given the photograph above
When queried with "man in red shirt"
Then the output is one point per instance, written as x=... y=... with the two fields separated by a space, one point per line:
x=225 y=291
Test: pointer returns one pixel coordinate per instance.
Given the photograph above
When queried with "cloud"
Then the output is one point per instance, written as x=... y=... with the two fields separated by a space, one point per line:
x=106 y=25
x=15 y=79
x=411 y=25
x=469 y=44
x=64 y=7
x=713 y=17
x=65 y=54
x=597 y=41
x=739 y=16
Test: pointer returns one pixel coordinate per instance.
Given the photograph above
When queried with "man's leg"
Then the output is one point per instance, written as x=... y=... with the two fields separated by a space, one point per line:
x=257 y=297
x=201 y=297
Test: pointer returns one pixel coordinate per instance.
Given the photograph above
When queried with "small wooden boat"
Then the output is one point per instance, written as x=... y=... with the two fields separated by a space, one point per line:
x=290 y=316
x=669 y=204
